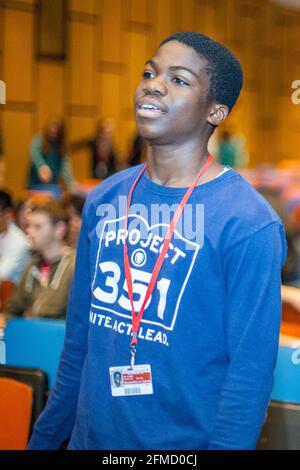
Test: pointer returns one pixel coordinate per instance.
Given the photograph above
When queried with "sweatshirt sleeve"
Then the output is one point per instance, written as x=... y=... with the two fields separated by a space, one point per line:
x=252 y=321
x=56 y=422
x=17 y=304
x=37 y=157
x=66 y=172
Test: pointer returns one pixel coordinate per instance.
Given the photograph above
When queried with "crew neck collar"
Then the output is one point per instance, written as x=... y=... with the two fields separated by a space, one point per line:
x=170 y=190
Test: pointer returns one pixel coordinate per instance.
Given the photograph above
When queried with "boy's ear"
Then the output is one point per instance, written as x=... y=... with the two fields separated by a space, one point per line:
x=61 y=229
x=218 y=114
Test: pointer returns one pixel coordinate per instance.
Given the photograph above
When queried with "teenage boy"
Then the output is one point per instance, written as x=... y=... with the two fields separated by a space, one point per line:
x=192 y=324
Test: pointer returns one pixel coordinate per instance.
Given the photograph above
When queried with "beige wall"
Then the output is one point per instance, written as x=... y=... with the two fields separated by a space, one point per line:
x=108 y=43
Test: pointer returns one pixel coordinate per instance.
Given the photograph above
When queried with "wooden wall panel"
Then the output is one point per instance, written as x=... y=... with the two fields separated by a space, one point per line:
x=163 y=16
x=50 y=91
x=200 y=14
x=138 y=10
x=176 y=15
x=18 y=55
x=51 y=30
x=81 y=127
x=109 y=96
x=138 y=57
x=18 y=133
x=81 y=51
x=83 y=6
x=1 y=41
x=188 y=13
x=108 y=42
x=288 y=113
x=109 y=46
x=28 y=2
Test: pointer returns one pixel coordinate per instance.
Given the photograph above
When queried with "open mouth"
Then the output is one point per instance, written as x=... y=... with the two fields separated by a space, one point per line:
x=149 y=109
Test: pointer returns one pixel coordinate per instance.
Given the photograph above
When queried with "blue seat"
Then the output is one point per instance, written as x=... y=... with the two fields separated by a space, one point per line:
x=287 y=375
x=38 y=344
x=54 y=190
x=35 y=343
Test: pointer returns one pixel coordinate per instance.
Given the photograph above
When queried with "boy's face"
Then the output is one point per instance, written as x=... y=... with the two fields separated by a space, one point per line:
x=174 y=81
x=41 y=231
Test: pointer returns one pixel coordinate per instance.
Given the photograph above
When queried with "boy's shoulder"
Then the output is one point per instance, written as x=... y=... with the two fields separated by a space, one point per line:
x=243 y=210
x=122 y=178
x=244 y=199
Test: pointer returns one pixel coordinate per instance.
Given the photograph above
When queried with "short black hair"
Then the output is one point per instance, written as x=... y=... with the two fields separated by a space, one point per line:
x=5 y=201
x=223 y=68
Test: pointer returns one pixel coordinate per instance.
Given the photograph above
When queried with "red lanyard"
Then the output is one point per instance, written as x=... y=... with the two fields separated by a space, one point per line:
x=136 y=319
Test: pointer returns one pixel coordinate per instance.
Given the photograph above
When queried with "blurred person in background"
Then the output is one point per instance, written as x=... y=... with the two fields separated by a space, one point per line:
x=2 y=172
x=49 y=162
x=290 y=289
x=2 y=165
x=138 y=151
x=44 y=287
x=231 y=151
x=101 y=146
x=290 y=273
x=73 y=204
x=22 y=210
x=14 y=246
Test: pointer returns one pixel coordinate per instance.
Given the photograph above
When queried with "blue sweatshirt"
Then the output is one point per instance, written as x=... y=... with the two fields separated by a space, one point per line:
x=210 y=330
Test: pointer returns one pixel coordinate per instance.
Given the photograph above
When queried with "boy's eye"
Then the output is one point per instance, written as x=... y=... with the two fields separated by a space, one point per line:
x=179 y=81
x=147 y=74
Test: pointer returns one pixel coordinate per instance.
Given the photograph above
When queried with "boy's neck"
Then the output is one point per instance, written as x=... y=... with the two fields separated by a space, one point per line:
x=178 y=167
x=54 y=252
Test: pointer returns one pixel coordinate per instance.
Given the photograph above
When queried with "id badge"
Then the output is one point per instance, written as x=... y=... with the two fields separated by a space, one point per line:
x=127 y=382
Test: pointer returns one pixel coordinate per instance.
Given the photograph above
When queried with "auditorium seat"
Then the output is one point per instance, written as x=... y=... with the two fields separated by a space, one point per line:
x=15 y=411
x=35 y=343
x=37 y=381
x=282 y=425
x=6 y=290
x=290 y=321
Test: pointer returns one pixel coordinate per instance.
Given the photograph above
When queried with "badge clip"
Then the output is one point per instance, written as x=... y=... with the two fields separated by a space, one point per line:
x=133 y=354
